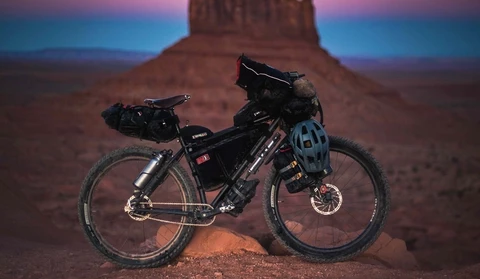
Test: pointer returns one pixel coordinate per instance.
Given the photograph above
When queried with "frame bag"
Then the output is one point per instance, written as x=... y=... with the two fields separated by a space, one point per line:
x=217 y=156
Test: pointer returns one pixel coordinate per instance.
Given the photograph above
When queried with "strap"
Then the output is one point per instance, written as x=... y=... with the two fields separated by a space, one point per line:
x=293 y=178
x=320 y=110
x=242 y=196
x=292 y=165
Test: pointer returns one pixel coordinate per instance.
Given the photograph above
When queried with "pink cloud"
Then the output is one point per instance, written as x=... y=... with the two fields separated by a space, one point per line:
x=325 y=8
x=333 y=8
x=59 y=7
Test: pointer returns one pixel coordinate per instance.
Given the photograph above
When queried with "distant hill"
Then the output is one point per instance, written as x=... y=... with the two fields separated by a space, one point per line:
x=133 y=56
x=78 y=54
x=412 y=63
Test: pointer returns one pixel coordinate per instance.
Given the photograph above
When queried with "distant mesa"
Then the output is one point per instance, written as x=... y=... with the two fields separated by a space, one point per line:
x=78 y=54
x=266 y=19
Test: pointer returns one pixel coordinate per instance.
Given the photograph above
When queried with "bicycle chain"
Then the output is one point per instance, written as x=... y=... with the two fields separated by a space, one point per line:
x=173 y=222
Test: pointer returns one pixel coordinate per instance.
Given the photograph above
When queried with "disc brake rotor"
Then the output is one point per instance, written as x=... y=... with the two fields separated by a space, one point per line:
x=327 y=199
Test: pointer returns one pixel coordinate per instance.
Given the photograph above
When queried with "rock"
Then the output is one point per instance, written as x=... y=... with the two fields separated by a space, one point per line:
x=389 y=252
x=294 y=227
x=212 y=240
x=264 y=238
x=386 y=251
x=267 y=19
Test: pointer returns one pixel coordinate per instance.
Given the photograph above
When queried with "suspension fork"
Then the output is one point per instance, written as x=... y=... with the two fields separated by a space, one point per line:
x=154 y=173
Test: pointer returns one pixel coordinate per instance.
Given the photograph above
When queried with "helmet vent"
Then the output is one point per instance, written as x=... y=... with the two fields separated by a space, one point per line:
x=315 y=138
x=316 y=126
x=304 y=130
x=298 y=142
x=307 y=144
x=323 y=139
x=311 y=160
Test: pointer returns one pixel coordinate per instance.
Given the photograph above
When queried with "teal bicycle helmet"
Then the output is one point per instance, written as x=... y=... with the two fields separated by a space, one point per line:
x=310 y=144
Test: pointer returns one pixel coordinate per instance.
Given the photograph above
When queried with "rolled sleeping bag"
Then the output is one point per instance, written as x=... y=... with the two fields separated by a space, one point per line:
x=304 y=89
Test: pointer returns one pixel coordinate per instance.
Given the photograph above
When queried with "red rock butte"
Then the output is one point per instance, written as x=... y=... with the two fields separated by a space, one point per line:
x=281 y=33
x=268 y=19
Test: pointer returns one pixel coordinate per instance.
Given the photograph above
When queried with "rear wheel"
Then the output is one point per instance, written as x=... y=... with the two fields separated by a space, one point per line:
x=129 y=240
x=337 y=219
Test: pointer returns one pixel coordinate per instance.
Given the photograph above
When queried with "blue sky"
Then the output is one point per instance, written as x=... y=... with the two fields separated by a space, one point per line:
x=366 y=36
x=402 y=37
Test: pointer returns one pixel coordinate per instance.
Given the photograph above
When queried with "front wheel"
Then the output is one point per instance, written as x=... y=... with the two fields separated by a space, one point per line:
x=340 y=227
x=134 y=241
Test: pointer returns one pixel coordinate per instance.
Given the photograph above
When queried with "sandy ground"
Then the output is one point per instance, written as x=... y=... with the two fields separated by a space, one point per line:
x=43 y=159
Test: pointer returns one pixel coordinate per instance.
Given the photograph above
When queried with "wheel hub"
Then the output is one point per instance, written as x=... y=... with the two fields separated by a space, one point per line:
x=326 y=199
x=142 y=216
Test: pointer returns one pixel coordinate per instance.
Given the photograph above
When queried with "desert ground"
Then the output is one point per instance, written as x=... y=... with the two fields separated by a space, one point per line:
x=46 y=150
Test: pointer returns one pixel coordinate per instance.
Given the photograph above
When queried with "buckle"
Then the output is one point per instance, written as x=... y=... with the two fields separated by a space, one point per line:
x=293 y=178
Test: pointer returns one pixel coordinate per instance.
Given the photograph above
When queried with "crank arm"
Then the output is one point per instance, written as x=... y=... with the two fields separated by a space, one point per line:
x=149 y=211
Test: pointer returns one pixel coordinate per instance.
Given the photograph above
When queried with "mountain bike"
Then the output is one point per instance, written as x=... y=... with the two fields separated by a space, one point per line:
x=335 y=218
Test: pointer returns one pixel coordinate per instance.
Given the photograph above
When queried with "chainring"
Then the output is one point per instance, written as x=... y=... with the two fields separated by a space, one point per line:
x=149 y=204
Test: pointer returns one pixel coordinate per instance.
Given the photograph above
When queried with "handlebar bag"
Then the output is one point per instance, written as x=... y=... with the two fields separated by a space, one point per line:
x=264 y=84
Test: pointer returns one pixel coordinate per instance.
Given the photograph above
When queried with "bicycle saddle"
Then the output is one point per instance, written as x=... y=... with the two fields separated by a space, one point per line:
x=167 y=103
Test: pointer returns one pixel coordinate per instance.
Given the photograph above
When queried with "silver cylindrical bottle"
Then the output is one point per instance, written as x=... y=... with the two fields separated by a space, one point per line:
x=150 y=169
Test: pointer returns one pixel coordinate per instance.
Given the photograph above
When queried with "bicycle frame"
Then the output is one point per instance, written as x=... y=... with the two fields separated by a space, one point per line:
x=158 y=178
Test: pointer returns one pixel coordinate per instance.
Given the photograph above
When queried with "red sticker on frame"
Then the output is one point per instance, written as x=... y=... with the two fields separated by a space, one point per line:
x=202 y=159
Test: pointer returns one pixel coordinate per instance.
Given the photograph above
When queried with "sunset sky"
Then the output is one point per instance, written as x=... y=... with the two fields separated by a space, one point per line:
x=347 y=27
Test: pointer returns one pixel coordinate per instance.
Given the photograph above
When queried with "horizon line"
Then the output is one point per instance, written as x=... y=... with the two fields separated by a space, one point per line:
x=359 y=56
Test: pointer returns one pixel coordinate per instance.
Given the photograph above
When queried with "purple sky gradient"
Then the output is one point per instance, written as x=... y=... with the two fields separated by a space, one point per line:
x=93 y=7
x=385 y=8
x=325 y=8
